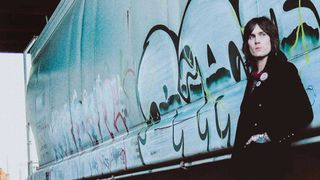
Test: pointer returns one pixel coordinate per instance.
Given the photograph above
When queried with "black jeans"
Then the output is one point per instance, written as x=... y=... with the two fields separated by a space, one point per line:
x=262 y=162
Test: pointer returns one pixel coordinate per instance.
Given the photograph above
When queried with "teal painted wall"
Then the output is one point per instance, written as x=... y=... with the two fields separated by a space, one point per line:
x=123 y=84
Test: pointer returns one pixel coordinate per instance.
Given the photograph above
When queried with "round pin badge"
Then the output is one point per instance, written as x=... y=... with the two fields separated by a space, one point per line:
x=258 y=83
x=264 y=76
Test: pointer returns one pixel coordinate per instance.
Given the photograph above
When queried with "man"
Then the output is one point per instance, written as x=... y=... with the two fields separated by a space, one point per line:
x=274 y=107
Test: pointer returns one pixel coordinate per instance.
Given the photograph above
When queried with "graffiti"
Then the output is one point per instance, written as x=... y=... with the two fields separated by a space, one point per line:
x=188 y=69
x=115 y=123
x=192 y=72
x=292 y=4
x=87 y=120
x=106 y=162
x=203 y=135
x=164 y=106
x=227 y=131
x=143 y=141
x=166 y=88
x=236 y=62
x=123 y=158
x=196 y=78
x=303 y=30
x=180 y=145
x=161 y=89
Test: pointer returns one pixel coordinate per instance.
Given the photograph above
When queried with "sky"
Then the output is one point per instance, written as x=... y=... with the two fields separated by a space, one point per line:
x=13 y=146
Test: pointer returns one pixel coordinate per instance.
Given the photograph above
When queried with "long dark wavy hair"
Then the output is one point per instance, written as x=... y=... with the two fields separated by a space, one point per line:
x=268 y=27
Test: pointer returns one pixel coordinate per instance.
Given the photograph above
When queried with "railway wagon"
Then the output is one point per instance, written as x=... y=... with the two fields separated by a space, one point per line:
x=118 y=87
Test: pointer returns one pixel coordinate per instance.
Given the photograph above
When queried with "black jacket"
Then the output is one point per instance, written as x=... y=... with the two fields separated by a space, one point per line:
x=279 y=106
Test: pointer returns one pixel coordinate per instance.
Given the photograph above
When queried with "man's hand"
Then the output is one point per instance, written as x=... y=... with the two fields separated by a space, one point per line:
x=259 y=138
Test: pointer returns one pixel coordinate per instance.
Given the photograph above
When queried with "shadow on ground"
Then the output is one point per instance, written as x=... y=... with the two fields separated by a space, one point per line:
x=306 y=166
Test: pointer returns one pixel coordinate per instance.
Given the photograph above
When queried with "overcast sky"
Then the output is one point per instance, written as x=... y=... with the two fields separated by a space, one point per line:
x=13 y=148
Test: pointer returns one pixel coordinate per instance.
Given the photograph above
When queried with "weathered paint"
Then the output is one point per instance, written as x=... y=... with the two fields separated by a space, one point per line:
x=123 y=84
